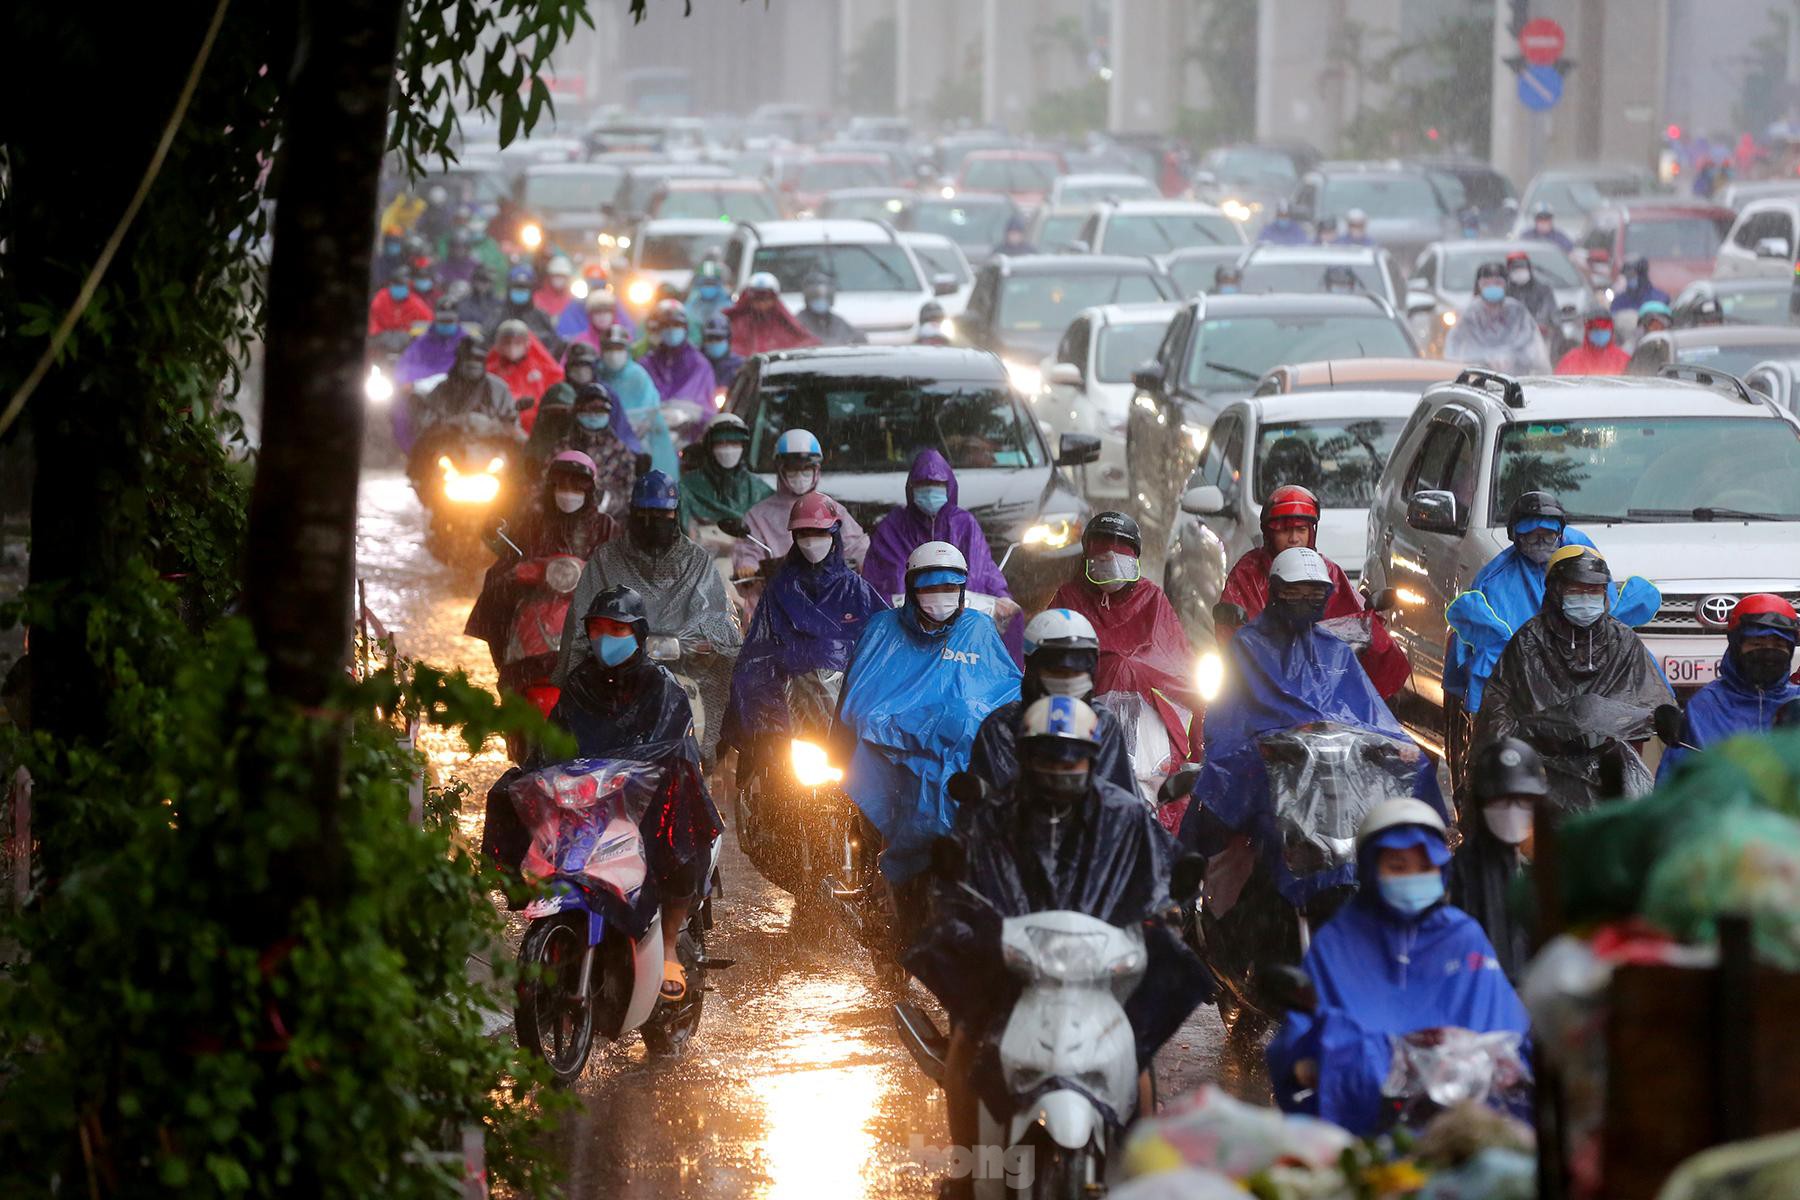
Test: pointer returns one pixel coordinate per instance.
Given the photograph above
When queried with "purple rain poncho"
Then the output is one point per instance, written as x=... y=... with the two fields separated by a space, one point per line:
x=427 y=355
x=682 y=373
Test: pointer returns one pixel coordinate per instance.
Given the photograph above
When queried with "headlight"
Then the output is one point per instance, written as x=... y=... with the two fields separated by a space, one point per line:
x=1236 y=209
x=563 y=573
x=378 y=388
x=625 y=242
x=950 y=328
x=811 y=765
x=578 y=288
x=1028 y=379
x=531 y=235
x=640 y=292
x=1053 y=531
x=1449 y=318
x=479 y=487
x=947 y=192
x=605 y=241
x=1209 y=675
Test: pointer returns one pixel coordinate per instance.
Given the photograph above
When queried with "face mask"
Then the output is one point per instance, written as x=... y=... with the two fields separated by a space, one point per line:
x=391 y=249
x=674 y=337
x=1298 y=614
x=443 y=328
x=929 y=499
x=1520 y=277
x=593 y=422
x=652 y=534
x=818 y=305
x=1766 y=668
x=1601 y=338
x=519 y=295
x=1511 y=823
x=939 y=608
x=814 y=549
x=612 y=649
x=1493 y=293
x=614 y=359
x=1411 y=894
x=800 y=482
x=1583 y=610
x=570 y=501
x=1066 y=685
x=512 y=353
x=397 y=292
x=728 y=455
x=1228 y=289
x=1059 y=789
x=715 y=348
x=471 y=369
x=1538 y=546
x=711 y=291
x=424 y=286
x=1110 y=572
x=931 y=329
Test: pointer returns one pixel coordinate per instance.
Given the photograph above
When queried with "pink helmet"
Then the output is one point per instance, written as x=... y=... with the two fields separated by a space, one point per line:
x=575 y=460
x=813 y=511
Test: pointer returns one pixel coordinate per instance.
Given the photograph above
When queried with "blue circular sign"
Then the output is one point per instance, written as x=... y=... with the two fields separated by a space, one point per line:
x=1540 y=88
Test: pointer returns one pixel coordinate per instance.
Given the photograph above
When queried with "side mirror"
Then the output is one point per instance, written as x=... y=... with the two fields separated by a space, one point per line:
x=1228 y=616
x=1419 y=304
x=1206 y=500
x=1178 y=786
x=1386 y=600
x=1077 y=449
x=1432 y=512
x=1078 y=246
x=1772 y=247
x=943 y=284
x=1288 y=988
x=1186 y=876
x=1667 y=722
x=734 y=526
x=1066 y=374
x=965 y=787
x=1147 y=378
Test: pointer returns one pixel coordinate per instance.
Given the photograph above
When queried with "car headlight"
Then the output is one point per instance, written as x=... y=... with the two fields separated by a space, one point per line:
x=947 y=192
x=1196 y=436
x=1236 y=209
x=1449 y=318
x=1209 y=675
x=625 y=241
x=531 y=235
x=640 y=292
x=812 y=767
x=378 y=388
x=578 y=288
x=1053 y=531
x=605 y=241
x=1028 y=379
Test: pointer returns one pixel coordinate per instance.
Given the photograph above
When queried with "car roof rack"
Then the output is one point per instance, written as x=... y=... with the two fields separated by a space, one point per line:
x=1485 y=380
x=1723 y=381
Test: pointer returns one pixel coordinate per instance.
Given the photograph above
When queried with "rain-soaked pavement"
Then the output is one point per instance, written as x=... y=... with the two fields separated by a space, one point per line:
x=795 y=1087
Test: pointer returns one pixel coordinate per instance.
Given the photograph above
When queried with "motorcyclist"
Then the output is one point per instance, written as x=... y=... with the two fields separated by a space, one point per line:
x=722 y=487
x=395 y=309
x=1062 y=652
x=1397 y=959
x=631 y=383
x=1538 y=297
x=459 y=261
x=480 y=309
x=1635 y=288
x=518 y=305
x=820 y=292
x=1015 y=240
x=1654 y=316
x=1707 y=312
x=619 y=703
x=424 y=283
x=931 y=325
x=715 y=343
x=1355 y=231
x=1598 y=353
x=678 y=368
x=600 y=430
x=761 y=322
x=525 y=365
x=601 y=310
x=468 y=388
x=1507 y=782
x=1468 y=222
x=931 y=514
x=1284 y=230
x=434 y=351
x=1543 y=229
x=706 y=298
x=1290 y=517
x=1754 y=680
x=798 y=460
x=553 y=295
x=1341 y=281
x=1228 y=279
x=1493 y=330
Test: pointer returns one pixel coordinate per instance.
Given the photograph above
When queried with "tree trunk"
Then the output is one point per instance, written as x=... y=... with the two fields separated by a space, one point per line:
x=300 y=565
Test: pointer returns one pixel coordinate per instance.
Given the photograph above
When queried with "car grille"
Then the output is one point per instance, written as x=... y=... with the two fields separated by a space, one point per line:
x=1679 y=612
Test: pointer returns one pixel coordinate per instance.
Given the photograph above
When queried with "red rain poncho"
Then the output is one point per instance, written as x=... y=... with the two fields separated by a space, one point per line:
x=754 y=331
x=385 y=316
x=527 y=379
x=1384 y=662
x=1142 y=648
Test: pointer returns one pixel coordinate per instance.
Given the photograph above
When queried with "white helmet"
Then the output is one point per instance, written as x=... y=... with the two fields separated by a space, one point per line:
x=1391 y=814
x=1356 y=216
x=936 y=556
x=763 y=281
x=1060 y=629
x=797 y=443
x=1298 y=564
x=559 y=265
x=1061 y=719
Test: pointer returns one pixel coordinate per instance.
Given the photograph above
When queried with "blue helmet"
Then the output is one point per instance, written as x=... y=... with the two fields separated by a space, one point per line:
x=655 y=490
x=798 y=443
x=522 y=274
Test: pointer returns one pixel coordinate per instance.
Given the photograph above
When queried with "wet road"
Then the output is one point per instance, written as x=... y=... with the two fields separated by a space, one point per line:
x=796 y=1086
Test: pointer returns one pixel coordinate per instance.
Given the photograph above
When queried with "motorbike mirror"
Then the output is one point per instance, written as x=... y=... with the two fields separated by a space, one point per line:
x=966 y=787
x=1288 y=988
x=1227 y=615
x=1186 y=877
x=523 y=403
x=1385 y=600
x=1667 y=722
x=1178 y=786
x=734 y=526
x=947 y=859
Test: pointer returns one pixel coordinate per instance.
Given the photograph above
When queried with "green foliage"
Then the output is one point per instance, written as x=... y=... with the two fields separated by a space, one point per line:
x=1225 y=56
x=1071 y=112
x=1441 y=80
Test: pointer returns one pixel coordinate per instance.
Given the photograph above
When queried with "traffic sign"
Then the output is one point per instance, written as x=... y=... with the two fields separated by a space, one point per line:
x=1541 y=41
x=1540 y=88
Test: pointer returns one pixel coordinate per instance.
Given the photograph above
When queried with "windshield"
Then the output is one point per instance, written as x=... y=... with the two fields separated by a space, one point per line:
x=1009 y=174
x=1676 y=237
x=679 y=251
x=1759 y=306
x=1272 y=276
x=882 y=267
x=1651 y=469
x=1548 y=265
x=942 y=260
x=1232 y=353
x=1392 y=197
x=980 y=225
x=1047 y=303
x=1255 y=168
x=1159 y=234
x=1339 y=460
x=880 y=424
x=1057 y=232
x=862 y=208
x=586 y=192
x=1193 y=273
x=1093 y=193
x=1734 y=359
x=634 y=196
x=829 y=176
x=734 y=204
x=1125 y=348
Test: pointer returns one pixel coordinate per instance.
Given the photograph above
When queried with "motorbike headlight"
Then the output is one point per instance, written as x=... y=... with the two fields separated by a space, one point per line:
x=1236 y=209
x=477 y=488
x=1209 y=675
x=1028 y=379
x=578 y=288
x=812 y=767
x=605 y=241
x=1449 y=318
x=531 y=235
x=640 y=292
x=1053 y=531
x=378 y=388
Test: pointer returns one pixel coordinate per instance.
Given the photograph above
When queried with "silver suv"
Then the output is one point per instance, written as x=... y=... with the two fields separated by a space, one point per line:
x=1687 y=479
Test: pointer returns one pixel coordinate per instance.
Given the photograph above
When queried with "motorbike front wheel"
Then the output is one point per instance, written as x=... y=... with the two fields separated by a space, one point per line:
x=1058 y=1173
x=550 y=1017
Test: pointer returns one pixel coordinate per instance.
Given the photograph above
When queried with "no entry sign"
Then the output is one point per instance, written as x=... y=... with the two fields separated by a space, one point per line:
x=1541 y=41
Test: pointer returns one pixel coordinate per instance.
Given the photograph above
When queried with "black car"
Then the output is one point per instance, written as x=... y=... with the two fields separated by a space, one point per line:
x=1471 y=183
x=874 y=407
x=1408 y=208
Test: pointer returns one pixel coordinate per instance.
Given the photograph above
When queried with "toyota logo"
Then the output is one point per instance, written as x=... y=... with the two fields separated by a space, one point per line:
x=1714 y=612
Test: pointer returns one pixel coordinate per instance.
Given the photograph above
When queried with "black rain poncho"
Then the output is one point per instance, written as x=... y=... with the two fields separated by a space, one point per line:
x=1480 y=881
x=995 y=756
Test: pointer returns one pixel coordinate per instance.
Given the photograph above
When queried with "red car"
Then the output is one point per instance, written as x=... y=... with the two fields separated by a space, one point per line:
x=1680 y=238
x=1024 y=175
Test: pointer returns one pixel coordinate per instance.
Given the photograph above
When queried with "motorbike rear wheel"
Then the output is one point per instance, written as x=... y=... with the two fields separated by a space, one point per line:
x=671 y=1027
x=549 y=1016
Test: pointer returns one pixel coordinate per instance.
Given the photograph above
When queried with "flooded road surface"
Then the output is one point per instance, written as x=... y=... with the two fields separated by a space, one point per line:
x=796 y=1086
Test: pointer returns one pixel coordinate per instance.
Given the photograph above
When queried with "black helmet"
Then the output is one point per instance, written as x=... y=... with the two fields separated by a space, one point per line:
x=581 y=352
x=1577 y=564
x=1507 y=767
x=1541 y=505
x=624 y=605
x=931 y=310
x=1228 y=273
x=1114 y=524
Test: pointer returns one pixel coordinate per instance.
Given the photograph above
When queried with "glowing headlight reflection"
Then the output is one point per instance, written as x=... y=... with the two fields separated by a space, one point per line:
x=1196 y=437
x=1053 y=533
x=1209 y=675
x=811 y=765
x=378 y=388
x=479 y=487
x=640 y=292
x=578 y=288
x=1449 y=319
x=531 y=235
x=1028 y=379
x=1236 y=209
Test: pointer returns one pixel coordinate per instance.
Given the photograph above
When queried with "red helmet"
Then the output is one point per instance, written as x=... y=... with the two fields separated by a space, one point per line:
x=1764 y=612
x=812 y=511
x=1291 y=500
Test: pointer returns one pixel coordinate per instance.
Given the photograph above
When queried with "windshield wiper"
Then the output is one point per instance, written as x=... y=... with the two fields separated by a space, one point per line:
x=1212 y=238
x=1252 y=376
x=1704 y=514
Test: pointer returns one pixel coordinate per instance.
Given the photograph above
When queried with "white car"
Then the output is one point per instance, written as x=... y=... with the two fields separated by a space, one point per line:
x=880 y=285
x=1071 y=190
x=1156 y=227
x=1087 y=387
x=940 y=257
x=1764 y=240
x=667 y=251
x=1335 y=443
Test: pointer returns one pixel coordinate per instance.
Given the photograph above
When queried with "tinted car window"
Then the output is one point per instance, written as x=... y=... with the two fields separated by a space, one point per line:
x=585 y=192
x=980 y=225
x=1549 y=265
x=734 y=204
x=1147 y=233
x=1010 y=174
x=1340 y=460
x=1125 y=348
x=880 y=424
x=1093 y=193
x=881 y=267
x=1268 y=276
x=1735 y=359
x=828 y=176
x=677 y=251
x=1232 y=353
x=941 y=260
x=863 y=208
x=1032 y=302
x=1057 y=232
x=1380 y=196
x=1252 y=166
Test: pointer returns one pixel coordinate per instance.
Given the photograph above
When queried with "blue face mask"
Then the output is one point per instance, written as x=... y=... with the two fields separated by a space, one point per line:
x=929 y=499
x=612 y=649
x=397 y=292
x=1583 y=610
x=1228 y=289
x=717 y=349
x=711 y=291
x=593 y=422
x=1411 y=895
x=424 y=285
x=519 y=295
x=674 y=337
x=1494 y=293
x=1601 y=337
x=443 y=328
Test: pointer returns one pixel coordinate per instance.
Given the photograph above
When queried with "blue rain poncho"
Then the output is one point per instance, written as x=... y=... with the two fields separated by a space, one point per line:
x=643 y=404
x=1726 y=707
x=1381 y=974
x=912 y=702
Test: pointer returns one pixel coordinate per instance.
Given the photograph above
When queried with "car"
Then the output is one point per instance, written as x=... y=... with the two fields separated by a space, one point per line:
x=977 y=222
x=803 y=181
x=1082 y=191
x=1762 y=241
x=643 y=182
x=1471 y=183
x=1022 y=303
x=1743 y=301
x=567 y=205
x=1270 y=268
x=1194 y=269
x=880 y=129
x=667 y=251
x=941 y=258
x=903 y=163
x=1408 y=375
x=1779 y=380
x=1157 y=227
x=1247 y=181
x=727 y=200
x=1731 y=348
x=1740 y=192
x=873 y=408
x=1407 y=207
x=1023 y=176
x=1443 y=283
x=1056 y=228
x=1335 y=443
x=1216 y=351
x=1694 y=486
x=1574 y=193
x=1087 y=386
x=948 y=152
x=880 y=287
x=867 y=204
x=1680 y=240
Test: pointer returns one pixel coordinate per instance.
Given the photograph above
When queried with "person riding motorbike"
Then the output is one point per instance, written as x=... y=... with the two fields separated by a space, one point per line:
x=635 y=390
x=468 y=388
x=481 y=307
x=517 y=305
x=395 y=308
x=1707 y=311
x=619 y=703
x=1493 y=330
x=931 y=325
x=707 y=298
x=715 y=343
x=1598 y=353
x=1508 y=782
x=598 y=428
x=798 y=459
x=459 y=261
x=581 y=362
x=1228 y=279
x=525 y=365
x=553 y=295
x=1654 y=316
x=721 y=487
x=434 y=351
x=599 y=313
x=680 y=371
x=1355 y=231
x=1754 y=680
x=1290 y=517
x=1543 y=229
x=554 y=428
x=820 y=293
x=1284 y=230
x=761 y=322
x=1015 y=240
x=1395 y=960
x=1635 y=289
x=931 y=514
x=683 y=596
x=1538 y=297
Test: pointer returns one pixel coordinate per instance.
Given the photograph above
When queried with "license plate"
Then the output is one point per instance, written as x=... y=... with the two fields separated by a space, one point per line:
x=548 y=906
x=1686 y=671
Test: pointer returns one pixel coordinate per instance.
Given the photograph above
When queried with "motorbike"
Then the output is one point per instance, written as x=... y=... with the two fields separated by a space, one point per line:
x=780 y=796
x=667 y=650
x=582 y=972
x=457 y=468
x=1587 y=750
x=534 y=634
x=386 y=433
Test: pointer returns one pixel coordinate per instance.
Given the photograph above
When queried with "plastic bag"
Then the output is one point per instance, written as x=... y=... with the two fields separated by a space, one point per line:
x=1189 y=1184
x=1438 y=1069
x=1146 y=739
x=583 y=817
x=1746 y=861
x=1494 y=1174
x=1323 y=780
x=1210 y=1130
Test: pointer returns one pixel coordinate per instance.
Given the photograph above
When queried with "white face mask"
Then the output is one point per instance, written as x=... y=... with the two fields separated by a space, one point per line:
x=1519 y=277
x=940 y=607
x=570 y=501
x=1511 y=823
x=728 y=454
x=614 y=359
x=814 y=549
x=931 y=329
x=1067 y=685
x=802 y=481
x=513 y=351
